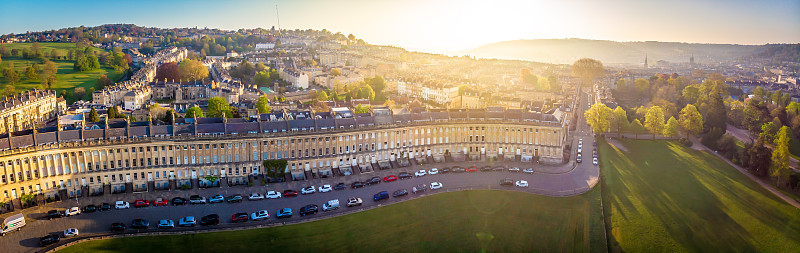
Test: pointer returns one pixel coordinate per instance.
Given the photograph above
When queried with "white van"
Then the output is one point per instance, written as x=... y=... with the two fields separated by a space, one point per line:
x=13 y=223
x=331 y=205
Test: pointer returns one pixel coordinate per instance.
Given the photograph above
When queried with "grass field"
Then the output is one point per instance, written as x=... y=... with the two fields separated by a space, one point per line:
x=67 y=78
x=458 y=221
x=664 y=197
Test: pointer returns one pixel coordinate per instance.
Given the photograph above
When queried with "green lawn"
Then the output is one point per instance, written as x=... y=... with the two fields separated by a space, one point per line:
x=458 y=221
x=67 y=78
x=664 y=197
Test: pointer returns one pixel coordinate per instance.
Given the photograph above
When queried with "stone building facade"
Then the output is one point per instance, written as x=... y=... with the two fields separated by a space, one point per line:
x=24 y=110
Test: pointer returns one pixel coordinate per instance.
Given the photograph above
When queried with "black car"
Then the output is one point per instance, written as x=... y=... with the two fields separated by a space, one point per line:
x=140 y=224
x=339 y=187
x=401 y=192
x=485 y=169
x=373 y=180
x=52 y=214
x=105 y=207
x=89 y=209
x=404 y=175
x=457 y=170
x=117 y=226
x=211 y=219
x=507 y=182
x=235 y=198
x=48 y=239
x=499 y=168
x=357 y=184
x=445 y=170
x=309 y=209
x=178 y=201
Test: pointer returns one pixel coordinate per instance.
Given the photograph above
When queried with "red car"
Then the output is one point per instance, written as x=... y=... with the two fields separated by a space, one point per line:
x=390 y=178
x=141 y=203
x=472 y=169
x=239 y=217
x=289 y=193
x=160 y=202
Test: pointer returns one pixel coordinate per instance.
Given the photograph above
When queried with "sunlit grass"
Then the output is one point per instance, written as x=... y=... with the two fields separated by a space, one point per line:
x=663 y=197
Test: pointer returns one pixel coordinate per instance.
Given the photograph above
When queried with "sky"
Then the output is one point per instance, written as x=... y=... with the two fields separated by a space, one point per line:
x=439 y=26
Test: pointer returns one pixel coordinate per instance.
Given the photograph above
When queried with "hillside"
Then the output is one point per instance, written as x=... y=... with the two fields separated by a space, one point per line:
x=566 y=51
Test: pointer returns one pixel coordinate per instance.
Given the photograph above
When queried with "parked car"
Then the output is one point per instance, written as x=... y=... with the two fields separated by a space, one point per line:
x=419 y=188
x=308 y=190
x=325 y=188
x=255 y=196
x=117 y=227
x=404 y=175
x=161 y=202
x=178 y=201
x=332 y=204
x=380 y=196
x=458 y=170
x=433 y=171
x=436 y=185
x=236 y=198
x=284 y=213
x=401 y=192
x=273 y=195
x=239 y=217
x=528 y=170
x=521 y=183
x=580 y=149
x=259 y=215
x=89 y=209
x=420 y=173
x=141 y=203
x=140 y=224
x=289 y=193
x=445 y=170
x=216 y=199
x=373 y=180
x=208 y=220
x=72 y=211
x=357 y=184
x=506 y=182
x=104 y=207
x=122 y=205
x=579 y=159
x=70 y=232
x=309 y=209
x=594 y=161
x=197 y=199
x=390 y=178
x=166 y=224
x=52 y=214
x=351 y=202
x=499 y=168
x=339 y=187
x=187 y=221
x=471 y=169
x=513 y=169
x=48 y=239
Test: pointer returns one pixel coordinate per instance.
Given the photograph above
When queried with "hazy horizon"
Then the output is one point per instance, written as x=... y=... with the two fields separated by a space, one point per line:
x=444 y=26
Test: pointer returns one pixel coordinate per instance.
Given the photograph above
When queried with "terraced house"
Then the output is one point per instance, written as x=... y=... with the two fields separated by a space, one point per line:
x=117 y=156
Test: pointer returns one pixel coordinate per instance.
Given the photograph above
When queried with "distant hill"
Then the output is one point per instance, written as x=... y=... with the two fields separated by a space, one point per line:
x=566 y=51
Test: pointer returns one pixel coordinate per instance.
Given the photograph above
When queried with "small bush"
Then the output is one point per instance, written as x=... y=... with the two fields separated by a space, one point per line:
x=186 y=187
x=685 y=142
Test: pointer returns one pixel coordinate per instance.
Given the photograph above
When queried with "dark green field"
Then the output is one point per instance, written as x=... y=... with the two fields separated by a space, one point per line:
x=664 y=197
x=458 y=221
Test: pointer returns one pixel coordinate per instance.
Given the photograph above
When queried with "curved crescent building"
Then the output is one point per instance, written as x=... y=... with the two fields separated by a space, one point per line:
x=116 y=156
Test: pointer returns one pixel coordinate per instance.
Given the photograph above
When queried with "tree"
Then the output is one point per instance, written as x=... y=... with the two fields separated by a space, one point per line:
x=155 y=110
x=262 y=78
x=780 y=156
x=275 y=168
x=351 y=37
x=193 y=70
x=93 y=116
x=102 y=82
x=587 y=69
x=642 y=87
x=361 y=109
x=79 y=93
x=322 y=96
x=168 y=72
x=554 y=86
x=637 y=127
x=367 y=92
x=262 y=104
x=757 y=158
x=193 y=112
x=31 y=73
x=755 y=115
x=114 y=113
x=11 y=75
x=671 y=128
x=598 y=118
x=218 y=107
x=336 y=72
x=50 y=69
x=654 y=120
x=620 y=118
x=768 y=132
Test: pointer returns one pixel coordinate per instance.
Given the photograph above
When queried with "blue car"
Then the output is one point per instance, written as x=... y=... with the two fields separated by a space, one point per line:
x=284 y=213
x=381 y=196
